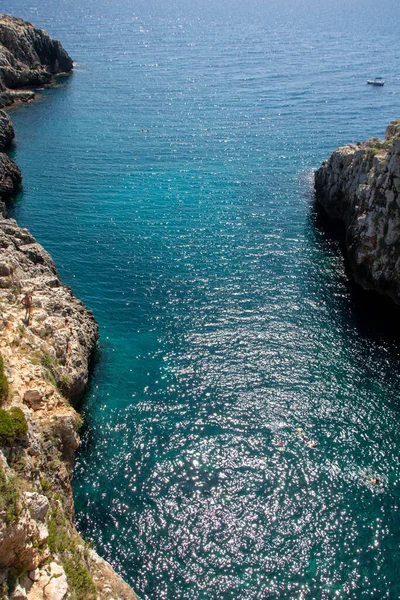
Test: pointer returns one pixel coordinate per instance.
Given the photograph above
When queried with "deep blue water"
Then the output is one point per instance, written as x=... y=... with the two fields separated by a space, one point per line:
x=227 y=318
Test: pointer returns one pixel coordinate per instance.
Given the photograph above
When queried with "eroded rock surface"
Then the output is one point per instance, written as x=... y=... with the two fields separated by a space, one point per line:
x=360 y=185
x=10 y=178
x=10 y=175
x=29 y=57
x=6 y=131
x=59 y=326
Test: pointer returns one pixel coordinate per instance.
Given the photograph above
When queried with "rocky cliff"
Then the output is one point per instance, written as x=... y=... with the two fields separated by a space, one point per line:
x=45 y=349
x=10 y=175
x=47 y=337
x=28 y=58
x=360 y=185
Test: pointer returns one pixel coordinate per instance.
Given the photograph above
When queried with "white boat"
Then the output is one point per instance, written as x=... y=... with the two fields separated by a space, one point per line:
x=377 y=81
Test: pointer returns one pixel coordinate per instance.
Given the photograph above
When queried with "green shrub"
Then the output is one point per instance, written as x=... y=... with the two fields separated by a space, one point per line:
x=63 y=385
x=79 y=580
x=66 y=546
x=371 y=152
x=12 y=580
x=17 y=459
x=57 y=524
x=48 y=360
x=9 y=496
x=46 y=484
x=19 y=421
x=13 y=577
x=66 y=379
x=13 y=425
x=3 y=382
x=50 y=364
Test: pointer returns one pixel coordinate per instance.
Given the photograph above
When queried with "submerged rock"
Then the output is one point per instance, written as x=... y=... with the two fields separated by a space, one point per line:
x=360 y=185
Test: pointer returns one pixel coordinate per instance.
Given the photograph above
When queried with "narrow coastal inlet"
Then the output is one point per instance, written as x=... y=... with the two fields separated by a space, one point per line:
x=177 y=164
x=47 y=339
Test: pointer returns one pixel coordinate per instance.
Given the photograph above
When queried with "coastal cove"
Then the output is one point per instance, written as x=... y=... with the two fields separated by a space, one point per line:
x=171 y=179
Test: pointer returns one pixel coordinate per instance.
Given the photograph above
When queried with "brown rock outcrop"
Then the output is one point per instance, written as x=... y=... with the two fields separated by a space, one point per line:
x=360 y=185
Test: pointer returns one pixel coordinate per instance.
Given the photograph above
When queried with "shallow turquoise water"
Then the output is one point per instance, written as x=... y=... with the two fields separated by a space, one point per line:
x=227 y=318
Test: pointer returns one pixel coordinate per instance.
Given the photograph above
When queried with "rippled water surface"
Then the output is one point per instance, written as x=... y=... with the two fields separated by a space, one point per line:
x=171 y=179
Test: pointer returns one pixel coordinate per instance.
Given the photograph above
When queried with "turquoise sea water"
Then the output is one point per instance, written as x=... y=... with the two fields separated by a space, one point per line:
x=226 y=314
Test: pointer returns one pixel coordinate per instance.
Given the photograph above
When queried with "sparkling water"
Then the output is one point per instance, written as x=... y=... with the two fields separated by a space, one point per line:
x=171 y=179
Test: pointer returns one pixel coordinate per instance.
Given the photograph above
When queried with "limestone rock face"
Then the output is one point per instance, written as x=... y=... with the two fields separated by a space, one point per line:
x=51 y=584
x=360 y=185
x=61 y=329
x=29 y=57
x=37 y=504
x=22 y=540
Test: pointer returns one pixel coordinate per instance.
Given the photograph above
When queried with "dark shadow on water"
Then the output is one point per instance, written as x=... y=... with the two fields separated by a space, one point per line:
x=376 y=317
x=13 y=203
x=94 y=368
x=11 y=150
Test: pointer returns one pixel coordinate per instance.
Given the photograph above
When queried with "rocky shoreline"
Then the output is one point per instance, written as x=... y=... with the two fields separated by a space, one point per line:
x=28 y=58
x=47 y=338
x=360 y=186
